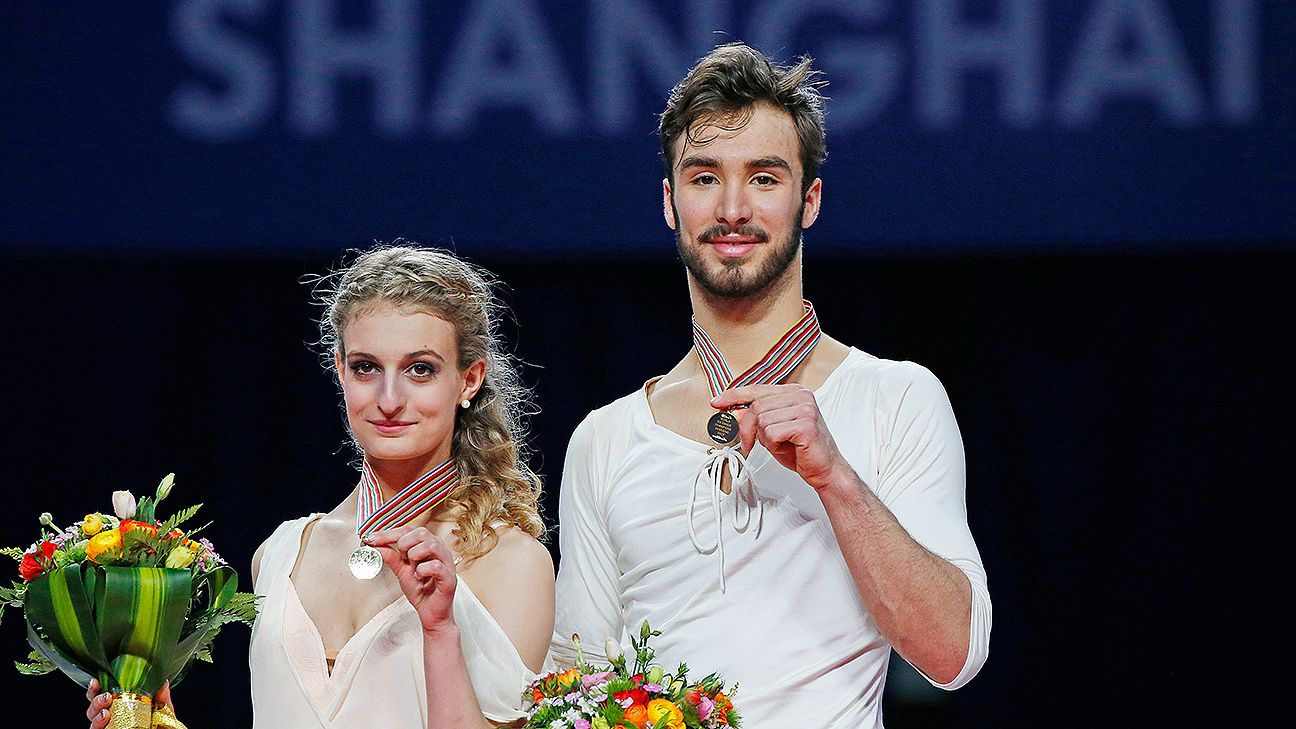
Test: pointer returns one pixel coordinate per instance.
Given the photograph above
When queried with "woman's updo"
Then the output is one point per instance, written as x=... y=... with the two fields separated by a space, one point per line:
x=495 y=482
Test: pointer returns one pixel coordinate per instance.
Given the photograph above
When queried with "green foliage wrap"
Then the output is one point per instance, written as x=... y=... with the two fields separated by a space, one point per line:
x=133 y=628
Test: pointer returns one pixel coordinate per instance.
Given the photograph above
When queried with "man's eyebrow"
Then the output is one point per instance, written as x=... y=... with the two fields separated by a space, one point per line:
x=694 y=160
x=771 y=161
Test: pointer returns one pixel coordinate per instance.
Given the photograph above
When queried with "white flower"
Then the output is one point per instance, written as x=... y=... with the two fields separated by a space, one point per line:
x=612 y=649
x=164 y=488
x=123 y=504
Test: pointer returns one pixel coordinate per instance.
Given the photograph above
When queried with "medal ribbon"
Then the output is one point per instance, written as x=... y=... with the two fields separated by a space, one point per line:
x=787 y=353
x=424 y=493
x=790 y=350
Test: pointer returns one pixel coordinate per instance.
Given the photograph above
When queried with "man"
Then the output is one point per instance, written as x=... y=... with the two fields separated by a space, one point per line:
x=834 y=529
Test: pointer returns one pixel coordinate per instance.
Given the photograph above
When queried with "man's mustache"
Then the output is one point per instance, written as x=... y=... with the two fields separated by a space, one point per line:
x=716 y=232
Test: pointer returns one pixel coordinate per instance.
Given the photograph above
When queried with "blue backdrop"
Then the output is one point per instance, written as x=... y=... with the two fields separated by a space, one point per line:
x=524 y=126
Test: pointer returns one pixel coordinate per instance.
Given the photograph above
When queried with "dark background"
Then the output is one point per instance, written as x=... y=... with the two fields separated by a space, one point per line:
x=1108 y=305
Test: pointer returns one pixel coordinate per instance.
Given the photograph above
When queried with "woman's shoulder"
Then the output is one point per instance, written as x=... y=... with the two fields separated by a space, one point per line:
x=286 y=530
x=515 y=554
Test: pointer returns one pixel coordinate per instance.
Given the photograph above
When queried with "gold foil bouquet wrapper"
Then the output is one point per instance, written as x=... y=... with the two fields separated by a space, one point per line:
x=136 y=711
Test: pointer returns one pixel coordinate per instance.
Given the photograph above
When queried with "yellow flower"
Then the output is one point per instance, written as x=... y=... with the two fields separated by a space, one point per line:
x=179 y=558
x=657 y=708
x=102 y=542
x=91 y=525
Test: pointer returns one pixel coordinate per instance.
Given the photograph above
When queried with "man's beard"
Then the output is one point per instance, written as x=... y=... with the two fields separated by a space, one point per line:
x=733 y=281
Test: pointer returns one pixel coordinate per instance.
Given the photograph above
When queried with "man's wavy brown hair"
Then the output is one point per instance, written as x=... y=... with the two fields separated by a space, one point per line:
x=727 y=84
x=495 y=482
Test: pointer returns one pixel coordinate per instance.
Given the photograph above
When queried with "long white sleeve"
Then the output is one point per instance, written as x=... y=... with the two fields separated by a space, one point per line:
x=922 y=479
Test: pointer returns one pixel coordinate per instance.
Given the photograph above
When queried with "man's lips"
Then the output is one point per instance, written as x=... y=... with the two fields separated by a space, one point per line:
x=733 y=245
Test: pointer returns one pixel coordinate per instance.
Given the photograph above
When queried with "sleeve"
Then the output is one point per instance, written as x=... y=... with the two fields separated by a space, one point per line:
x=588 y=596
x=922 y=480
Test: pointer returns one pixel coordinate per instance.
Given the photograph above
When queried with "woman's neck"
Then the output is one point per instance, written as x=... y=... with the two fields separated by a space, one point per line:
x=392 y=476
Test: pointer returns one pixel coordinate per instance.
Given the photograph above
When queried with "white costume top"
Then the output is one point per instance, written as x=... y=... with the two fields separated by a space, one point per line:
x=789 y=627
x=377 y=679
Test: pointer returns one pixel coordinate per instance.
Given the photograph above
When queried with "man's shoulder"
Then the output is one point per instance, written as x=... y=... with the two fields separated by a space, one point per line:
x=603 y=425
x=860 y=367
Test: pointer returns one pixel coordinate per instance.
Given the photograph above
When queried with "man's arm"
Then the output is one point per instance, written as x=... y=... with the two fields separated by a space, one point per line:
x=929 y=601
x=588 y=599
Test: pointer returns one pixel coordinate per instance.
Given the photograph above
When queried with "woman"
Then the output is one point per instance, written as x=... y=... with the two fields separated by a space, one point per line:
x=450 y=633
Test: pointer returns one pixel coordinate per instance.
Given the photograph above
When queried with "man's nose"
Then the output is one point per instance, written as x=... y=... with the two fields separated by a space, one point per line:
x=734 y=208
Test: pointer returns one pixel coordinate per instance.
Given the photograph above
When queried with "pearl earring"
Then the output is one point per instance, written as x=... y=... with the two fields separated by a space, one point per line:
x=465 y=404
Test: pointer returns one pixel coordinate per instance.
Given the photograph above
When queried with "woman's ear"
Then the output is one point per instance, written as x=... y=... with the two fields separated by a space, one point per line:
x=474 y=376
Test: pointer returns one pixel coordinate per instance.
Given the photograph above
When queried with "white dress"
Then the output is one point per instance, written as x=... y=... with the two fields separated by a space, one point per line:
x=786 y=621
x=377 y=678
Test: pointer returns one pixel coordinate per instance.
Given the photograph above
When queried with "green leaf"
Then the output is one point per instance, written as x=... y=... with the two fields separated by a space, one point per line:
x=140 y=619
x=36 y=665
x=61 y=660
x=179 y=518
x=14 y=552
x=58 y=603
x=144 y=509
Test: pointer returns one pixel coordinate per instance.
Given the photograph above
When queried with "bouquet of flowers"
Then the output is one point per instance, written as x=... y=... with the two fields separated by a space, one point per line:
x=126 y=599
x=622 y=695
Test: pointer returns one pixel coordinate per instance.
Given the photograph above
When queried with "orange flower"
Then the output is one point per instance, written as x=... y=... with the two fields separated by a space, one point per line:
x=657 y=708
x=722 y=708
x=536 y=696
x=637 y=715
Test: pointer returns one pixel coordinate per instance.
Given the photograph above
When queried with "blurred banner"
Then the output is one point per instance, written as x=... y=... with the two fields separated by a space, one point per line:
x=522 y=126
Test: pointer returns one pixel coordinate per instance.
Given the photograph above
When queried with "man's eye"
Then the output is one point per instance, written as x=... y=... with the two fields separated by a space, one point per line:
x=765 y=180
x=705 y=180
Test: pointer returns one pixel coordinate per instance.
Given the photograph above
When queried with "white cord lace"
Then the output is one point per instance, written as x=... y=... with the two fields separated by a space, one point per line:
x=712 y=469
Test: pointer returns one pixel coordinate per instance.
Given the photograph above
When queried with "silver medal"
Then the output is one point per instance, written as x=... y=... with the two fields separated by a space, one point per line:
x=365 y=563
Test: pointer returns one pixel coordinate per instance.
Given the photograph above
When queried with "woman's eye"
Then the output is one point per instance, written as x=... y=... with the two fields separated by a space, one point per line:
x=364 y=367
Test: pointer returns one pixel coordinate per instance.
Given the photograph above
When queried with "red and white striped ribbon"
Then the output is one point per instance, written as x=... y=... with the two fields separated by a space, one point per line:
x=373 y=515
x=790 y=350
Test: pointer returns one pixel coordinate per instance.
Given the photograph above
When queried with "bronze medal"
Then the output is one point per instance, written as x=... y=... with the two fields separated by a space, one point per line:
x=723 y=428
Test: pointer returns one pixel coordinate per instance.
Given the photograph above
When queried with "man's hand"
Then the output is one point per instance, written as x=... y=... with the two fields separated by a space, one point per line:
x=786 y=420
x=425 y=569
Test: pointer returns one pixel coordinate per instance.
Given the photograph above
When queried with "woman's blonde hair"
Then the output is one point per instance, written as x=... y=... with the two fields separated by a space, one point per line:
x=495 y=482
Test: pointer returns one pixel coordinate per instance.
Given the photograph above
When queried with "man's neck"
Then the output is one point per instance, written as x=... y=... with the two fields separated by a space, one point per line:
x=744 y=329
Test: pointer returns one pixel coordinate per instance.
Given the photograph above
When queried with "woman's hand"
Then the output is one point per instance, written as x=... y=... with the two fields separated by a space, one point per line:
x=98 y=713
x=424 y=566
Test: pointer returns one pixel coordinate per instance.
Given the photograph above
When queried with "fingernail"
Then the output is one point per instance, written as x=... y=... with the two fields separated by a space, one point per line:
x=103 y=714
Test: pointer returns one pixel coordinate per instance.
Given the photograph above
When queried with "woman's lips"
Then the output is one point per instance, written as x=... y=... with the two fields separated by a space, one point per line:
x=390 y=427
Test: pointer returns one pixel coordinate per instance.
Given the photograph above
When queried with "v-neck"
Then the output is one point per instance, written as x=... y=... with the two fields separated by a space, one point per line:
x=308 y=656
